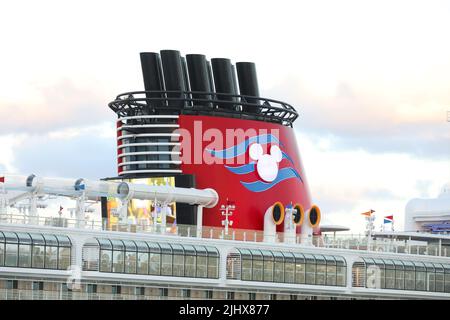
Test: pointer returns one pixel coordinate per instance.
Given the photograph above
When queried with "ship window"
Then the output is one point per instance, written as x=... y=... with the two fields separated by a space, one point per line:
x=38 y=285
x=38 y=251
x=118 y=256
x=11 y=254
x=430 y=277
x=341 y=271
x=129 y=245
x=105 y=259
x=118 y=261
x=379 y=264
x=51 y=252
x=51 y=257
x=189 y=261
x=439 y=277
x=37 y=239
x=399 y=275
x=258 y=265
x=63 y=258
x=141 y=246
x=117 y=245
x=447 y=278
x=116 y=289
x=142 y=257
x=37 y=255
x=10 y=237
x=289 y=267
x=139 y=291
x=24 y=238
x=166 y=259
x=155 y=258
x=31 y=250
x=267 y=265
x=300 y=268
x=12 y=284
x=213 y=262
x=420 y=276
x=331 y=271
x=320 y=269
x=178 y=260
x=91 y=288
x=202 y=262
x=246 y=264
x=105 y=244
x=278 y=267
x=154 y=247
x=24 y=250
x=142 y=262
x=390 y=274
x=372 y=274
x=50 y=240
x=310 y=269
x=410 y=275
x=358 y=273
x=11 y=249
x=130 y=256
x=63 y=241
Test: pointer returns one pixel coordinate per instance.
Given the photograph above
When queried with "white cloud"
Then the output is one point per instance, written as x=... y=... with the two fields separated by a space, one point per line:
x=7 y=144
x=348 y=183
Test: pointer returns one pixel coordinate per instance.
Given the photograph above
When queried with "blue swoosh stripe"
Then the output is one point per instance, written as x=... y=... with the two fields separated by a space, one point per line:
x=283 y=174
x=241 y=148
x=286 y=156
x=246 y=168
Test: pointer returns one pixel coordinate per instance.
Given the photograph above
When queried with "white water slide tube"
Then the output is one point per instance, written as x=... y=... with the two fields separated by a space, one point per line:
x=96 y=188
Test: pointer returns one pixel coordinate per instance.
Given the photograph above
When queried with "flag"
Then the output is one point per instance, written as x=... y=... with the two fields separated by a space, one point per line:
x=368 y=213
x=389 y=219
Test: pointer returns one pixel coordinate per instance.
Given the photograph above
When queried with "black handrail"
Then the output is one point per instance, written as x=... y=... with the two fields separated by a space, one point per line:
x=188 y=102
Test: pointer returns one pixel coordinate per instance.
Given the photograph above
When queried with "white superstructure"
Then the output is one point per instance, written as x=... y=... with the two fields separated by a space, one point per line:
x=421 y=212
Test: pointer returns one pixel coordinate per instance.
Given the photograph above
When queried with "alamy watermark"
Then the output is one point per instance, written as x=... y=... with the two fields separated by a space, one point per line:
x=227 y=146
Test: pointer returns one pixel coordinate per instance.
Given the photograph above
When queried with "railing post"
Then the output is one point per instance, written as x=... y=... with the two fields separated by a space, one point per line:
x=199 y=221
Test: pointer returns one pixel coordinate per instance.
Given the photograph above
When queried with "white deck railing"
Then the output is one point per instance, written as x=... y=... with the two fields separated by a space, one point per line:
x=340 y=241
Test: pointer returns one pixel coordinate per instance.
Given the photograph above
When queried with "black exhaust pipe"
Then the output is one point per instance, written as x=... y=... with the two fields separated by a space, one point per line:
x=248 y=83
x=187 y=86
x=152 y=74
x=199 y=77
x=210 y=76
x=224 y=81
x=173 y=76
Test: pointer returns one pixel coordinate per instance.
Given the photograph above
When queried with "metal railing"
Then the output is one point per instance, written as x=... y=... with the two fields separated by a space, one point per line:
x=211 y=103
x=342 y=241
x=26 y=294
x=361 y=242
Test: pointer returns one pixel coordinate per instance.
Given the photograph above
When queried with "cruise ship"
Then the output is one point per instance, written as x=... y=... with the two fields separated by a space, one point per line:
x=210 y=201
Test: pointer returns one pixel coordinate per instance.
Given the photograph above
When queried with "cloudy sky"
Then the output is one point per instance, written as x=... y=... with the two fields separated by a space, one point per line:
x=371 y=80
